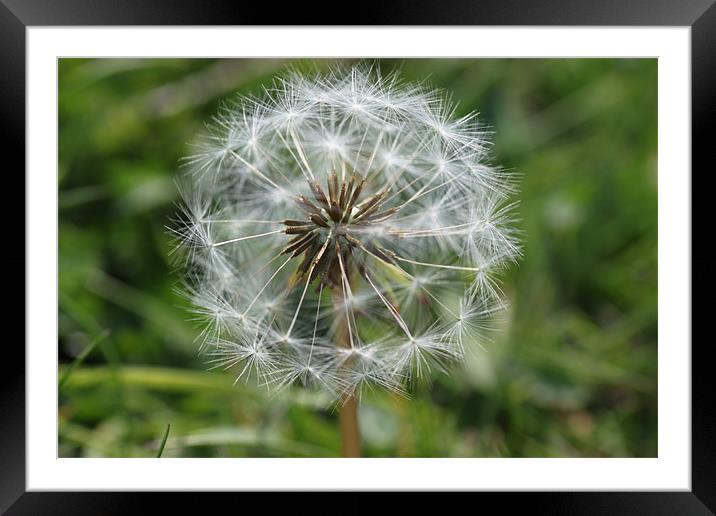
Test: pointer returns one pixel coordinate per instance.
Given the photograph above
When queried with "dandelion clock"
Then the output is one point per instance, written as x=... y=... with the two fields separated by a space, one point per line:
x=342 y=232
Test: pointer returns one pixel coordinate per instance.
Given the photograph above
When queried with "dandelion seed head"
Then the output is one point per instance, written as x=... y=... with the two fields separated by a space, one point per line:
x=330 y=225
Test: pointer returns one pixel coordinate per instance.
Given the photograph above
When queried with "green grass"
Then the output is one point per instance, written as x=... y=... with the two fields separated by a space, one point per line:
x=569 y=372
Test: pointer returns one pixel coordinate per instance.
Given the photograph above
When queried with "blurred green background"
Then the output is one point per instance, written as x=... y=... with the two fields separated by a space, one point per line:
x=570 y=372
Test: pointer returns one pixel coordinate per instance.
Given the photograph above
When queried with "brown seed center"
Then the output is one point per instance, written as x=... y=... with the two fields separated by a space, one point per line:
x=334 y=216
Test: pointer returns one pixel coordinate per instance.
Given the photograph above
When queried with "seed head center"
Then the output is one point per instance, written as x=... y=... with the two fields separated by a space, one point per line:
x=330 y=234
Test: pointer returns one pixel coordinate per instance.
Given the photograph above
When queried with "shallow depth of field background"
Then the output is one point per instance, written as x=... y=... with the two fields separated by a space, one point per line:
x=570 y=372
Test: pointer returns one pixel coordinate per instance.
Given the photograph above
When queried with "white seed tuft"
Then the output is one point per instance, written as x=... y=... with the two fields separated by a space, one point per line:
x=347 y=196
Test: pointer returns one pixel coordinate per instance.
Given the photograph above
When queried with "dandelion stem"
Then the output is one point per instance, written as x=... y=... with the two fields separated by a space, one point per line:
x=348 y=415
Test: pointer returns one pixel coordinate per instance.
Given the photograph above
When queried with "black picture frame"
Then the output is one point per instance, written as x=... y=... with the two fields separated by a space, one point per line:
x=17 y=15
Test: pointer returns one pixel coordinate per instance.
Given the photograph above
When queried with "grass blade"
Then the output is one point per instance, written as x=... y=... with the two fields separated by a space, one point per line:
x=81 y=357
x=164 y=442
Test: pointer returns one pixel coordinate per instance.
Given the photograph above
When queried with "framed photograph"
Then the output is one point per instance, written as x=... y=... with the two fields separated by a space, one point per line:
x=432 y=251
